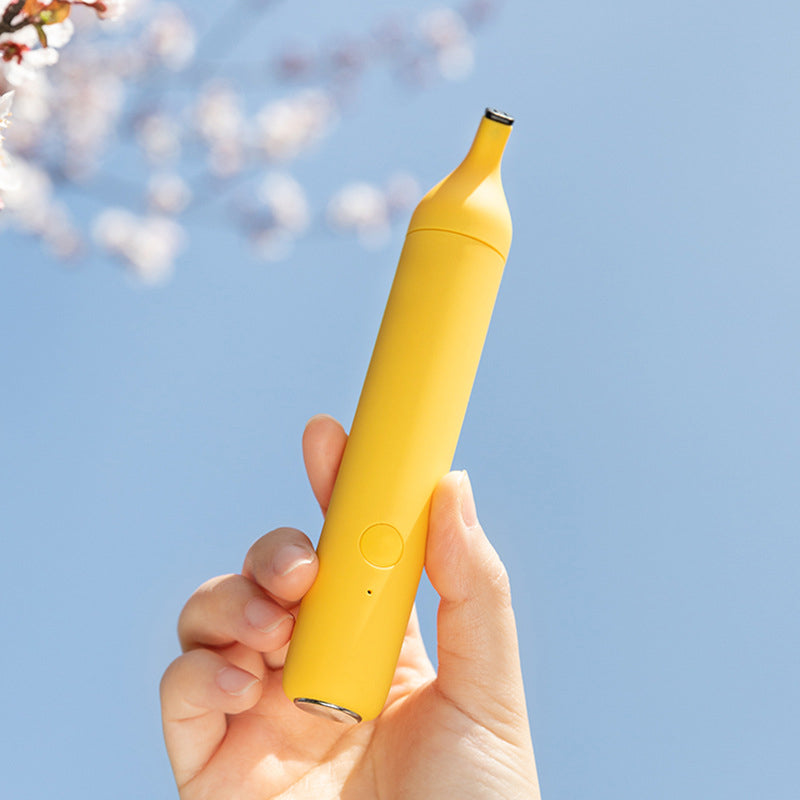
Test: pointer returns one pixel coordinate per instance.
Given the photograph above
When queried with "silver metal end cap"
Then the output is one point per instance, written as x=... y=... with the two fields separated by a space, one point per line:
x=327 y=710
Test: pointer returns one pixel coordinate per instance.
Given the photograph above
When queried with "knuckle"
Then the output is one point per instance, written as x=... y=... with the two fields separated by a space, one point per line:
x=210 y=588
x=259 y=556
x=219 y=585
x=499 y=579
x=203 y=603
x=171 y=676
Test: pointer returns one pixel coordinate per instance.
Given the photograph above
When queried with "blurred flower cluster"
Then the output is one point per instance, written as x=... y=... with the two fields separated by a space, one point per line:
x=145 y=123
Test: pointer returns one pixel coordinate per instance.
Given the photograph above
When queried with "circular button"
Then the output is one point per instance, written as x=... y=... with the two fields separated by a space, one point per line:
x=381 y=545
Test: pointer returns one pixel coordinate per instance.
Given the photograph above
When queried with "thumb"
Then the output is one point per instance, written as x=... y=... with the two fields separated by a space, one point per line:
x=479 y=669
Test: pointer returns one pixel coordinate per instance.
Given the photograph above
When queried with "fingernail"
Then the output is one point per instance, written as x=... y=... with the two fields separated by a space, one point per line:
x=235 y=681
x=467 y=501
x=290 y=558
x=263 y=615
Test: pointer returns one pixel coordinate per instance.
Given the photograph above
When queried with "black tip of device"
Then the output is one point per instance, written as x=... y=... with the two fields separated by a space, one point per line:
x=499 y=116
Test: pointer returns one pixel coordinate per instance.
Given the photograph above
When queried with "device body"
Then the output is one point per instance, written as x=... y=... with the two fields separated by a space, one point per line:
x=351 y=624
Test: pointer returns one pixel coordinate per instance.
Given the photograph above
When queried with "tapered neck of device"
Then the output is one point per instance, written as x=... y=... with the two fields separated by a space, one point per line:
x=486 y=153
x=470 y=200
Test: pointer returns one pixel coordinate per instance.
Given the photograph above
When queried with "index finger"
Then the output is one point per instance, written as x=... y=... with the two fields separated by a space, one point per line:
x=284 y=564
x=323 y=445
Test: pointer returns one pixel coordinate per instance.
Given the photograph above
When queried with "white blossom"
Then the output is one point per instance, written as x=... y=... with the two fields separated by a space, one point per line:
x=286 y=200
x=60 y=33
x=114 y=10
x=274 y=215
x=456 y=63
x=5 y=110
x=272 y=244
x=402 y=192
x=18 y=72
x=443 y=27
x=60 y=233
x=68 y=115
x=9 y=177
x=148 y=246
x=447 y=33
x=113 y=228
x=168 y=193
x=160 y=137
x=218 y=113
x=285 y=128
x=170 y=37
x=28 y=194
x=361 y=208
x=32 y=106
x=8 y=181
x=132 y=10
x=33 y=57
x=90 y=104
x=220 y=122
x=226 y=158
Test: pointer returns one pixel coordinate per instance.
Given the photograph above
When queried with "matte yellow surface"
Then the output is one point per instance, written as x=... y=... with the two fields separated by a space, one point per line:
x=351 y=624
x=467 y=200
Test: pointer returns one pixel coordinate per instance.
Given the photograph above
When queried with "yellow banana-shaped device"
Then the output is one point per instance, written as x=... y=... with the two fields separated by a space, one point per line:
x=351 y=623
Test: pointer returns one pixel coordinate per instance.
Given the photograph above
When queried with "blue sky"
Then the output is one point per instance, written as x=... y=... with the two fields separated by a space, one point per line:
x=633 y=436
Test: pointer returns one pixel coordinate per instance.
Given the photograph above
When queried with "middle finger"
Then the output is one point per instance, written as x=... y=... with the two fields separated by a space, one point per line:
x=231 y=609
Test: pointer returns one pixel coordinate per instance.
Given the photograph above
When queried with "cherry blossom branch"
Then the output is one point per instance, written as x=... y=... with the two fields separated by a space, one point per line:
x=6 y=22
x=155 y=102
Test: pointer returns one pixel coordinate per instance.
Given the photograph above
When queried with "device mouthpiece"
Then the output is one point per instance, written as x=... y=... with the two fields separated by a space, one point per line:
x=499 y=116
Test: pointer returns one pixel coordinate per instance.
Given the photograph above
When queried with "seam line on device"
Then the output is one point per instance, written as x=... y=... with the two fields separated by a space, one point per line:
x=460 y=233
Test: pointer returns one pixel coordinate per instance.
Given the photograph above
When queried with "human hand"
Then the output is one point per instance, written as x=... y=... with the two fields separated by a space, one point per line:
x=231 y=732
